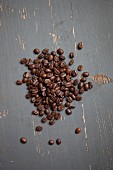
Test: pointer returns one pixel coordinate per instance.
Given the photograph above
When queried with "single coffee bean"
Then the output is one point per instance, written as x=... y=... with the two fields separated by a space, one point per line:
x=80 y=85
x=71 y=55
x=19 y=82
x=23 y=140
x=80 y=68
x=49 y=117
x=77 y=130
x=69 y=99
x=28 y=96
x=62 y=57
x=80 y=45
x=57 y=116
x=41 y=113
x=58 y=141
x=24 y=80
x=71 y=62
x=60 y=51
x=41 y=56
x=46 y=111
x=34 y=112
x=86 y=86
x=71 y=107
x=23 y=60
x=53 y=53
x=51 y=122
x=75 y=83
x=39 y=128
x=81 y=91
x=67 y=104
x=78 y=98
x=45 y=51
x=51 y=142
x=36 y=51
x=85 y=74
x=36 y=61
x=44 y=120
x=73 y=73
x=83 y=79
x=50 y=57
x=68 y=111
x=90 y=85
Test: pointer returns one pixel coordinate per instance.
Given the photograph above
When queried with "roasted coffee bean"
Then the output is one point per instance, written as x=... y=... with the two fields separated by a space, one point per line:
x=71 y=62
x=61 y=57
x=41 y=56
x=80 y=45
x=41 y=113
x=23 y=60
x=68 y=84
x=53 y=113
x=58 y=141
x=73 y=73
x=69 y=99
x=39 y=128
x=27 y=75
x=60 y=108
x=28 y=96
x=80 y=68
x=90 y=85
x=36 y=51
x=57 y=116
x=50 y=57
x=44 y=120
x=68 y=111
x=45 y=51
x=85 y=74
x=81 y=91
x=75 y=83
x=33 y=71
x=33 y=99
x=46 y=111
x=68 y=78
x=71 y=55
x=83 y=79
x=71 y=107
x=51 y=122
x=60 y=51
x=77 y=130
x=53 y=53
x=66 y=93
x=78 y=98
x=51 y=142
x=49 y=117
x=23 y=140
x=86 y=86
x=24 y=80
x=36 y=61
x=73 y=96
x=80 y=85
x=72 y=89
x=19 y=82
x=67 y=104
x=34 y=112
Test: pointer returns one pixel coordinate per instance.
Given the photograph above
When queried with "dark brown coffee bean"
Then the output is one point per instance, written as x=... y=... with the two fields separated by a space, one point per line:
x=90 y=85
x=68 y=84
x=36 y=51
x=46 y=111
x=44 y=120
x=58 y=141
x=57 y=116
x=81 y=91
x=41 y=56
x=61 y=57
x=24 y=80
x=80 y=45
x=80 y=68
x=60 y=108
x=71 y=107
x=49 y=117
x=45 y=51
x=85 y=74
x=75 y=83
x=34 y=112
x=36 y=61
x=51 y=122
x=50 y=57
x=72 y=89
x=19 y=82
x=27 y=75
x=60 y=51
x=68 y=111
x=86 y=87
x=23 y=140
x=41 y=113
x=73 y=96
x=71 y=62
x=73 y=73
x=28 y=96
x=76 y=93
x=83 y=79
x=67 y=104
x=53 y=113
x=78 y=98
x=33 y=99
x=51 y=142
x=77 y=130
x=53 y=53
x=68 y=71
x=80 y=85
x=23 y=60
x=69 y=99
x=71 y=55
x=39 y=128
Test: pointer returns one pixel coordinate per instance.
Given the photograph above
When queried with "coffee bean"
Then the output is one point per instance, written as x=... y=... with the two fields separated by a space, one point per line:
x=78 y=98
x=28 y=96
x=80 y=45
x=41 y=113
x=67 y=104
x=45 y=51
x=68 y=111
x=23 y=140
x=57 y=116
x=36 y=51
x=71 y=55
x=34 y=112
x=71 y=62
x=41 y=56
x=86 y=86
x=36 y=61
x=71 y=107
x=90 y=85
x=39 y=128
x=77 y=130
x=69 y=99
x=80 y=68
x=51 y=142
x=19 y=82
x=73 y=73
x=60 y=51
x=58 y=141
x=62 y=57
x=53 y=53
x=44 y=120
x=80 y=85
x=49 y=117
x=85 y=74
x=75 y=83
x=81 y=91
x=83 y=79
x=51 y=122
x=23 y=61
x=50 y=57
x=46 y=111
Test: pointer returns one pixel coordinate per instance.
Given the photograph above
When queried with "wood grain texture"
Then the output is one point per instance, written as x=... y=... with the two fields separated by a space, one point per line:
x=26 y=24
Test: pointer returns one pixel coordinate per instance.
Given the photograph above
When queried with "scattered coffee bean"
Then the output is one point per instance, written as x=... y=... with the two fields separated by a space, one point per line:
x=81 y=91
x=71 y=62
x=51 y=122
x=19 y=82
x=83 y=79
x=86 y=86
x=23 y=140
x=51 y=142
x=75 y=83
x=60 y=51
x=58 y=141
x=80 y=85
x=23 y=61
x=71 y=107
x=68 y=111
x=85 y=74
x=78 y=98
x=44 y=120
x=80 y=45
x=34 y=112
x=80 y=68
x=36 y=51
x=71 y=55
x=77 y=130
x=53 y=53
x=45 y=51
x=39 y=128
x=90 y=85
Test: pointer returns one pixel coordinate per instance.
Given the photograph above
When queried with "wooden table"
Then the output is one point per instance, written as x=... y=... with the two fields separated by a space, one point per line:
x=26 y=24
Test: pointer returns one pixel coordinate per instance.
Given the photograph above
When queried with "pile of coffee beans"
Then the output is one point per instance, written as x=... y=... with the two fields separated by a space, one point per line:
x=52 y=86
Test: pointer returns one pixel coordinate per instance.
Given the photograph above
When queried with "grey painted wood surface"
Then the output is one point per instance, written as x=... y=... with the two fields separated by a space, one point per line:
x=26 y=24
